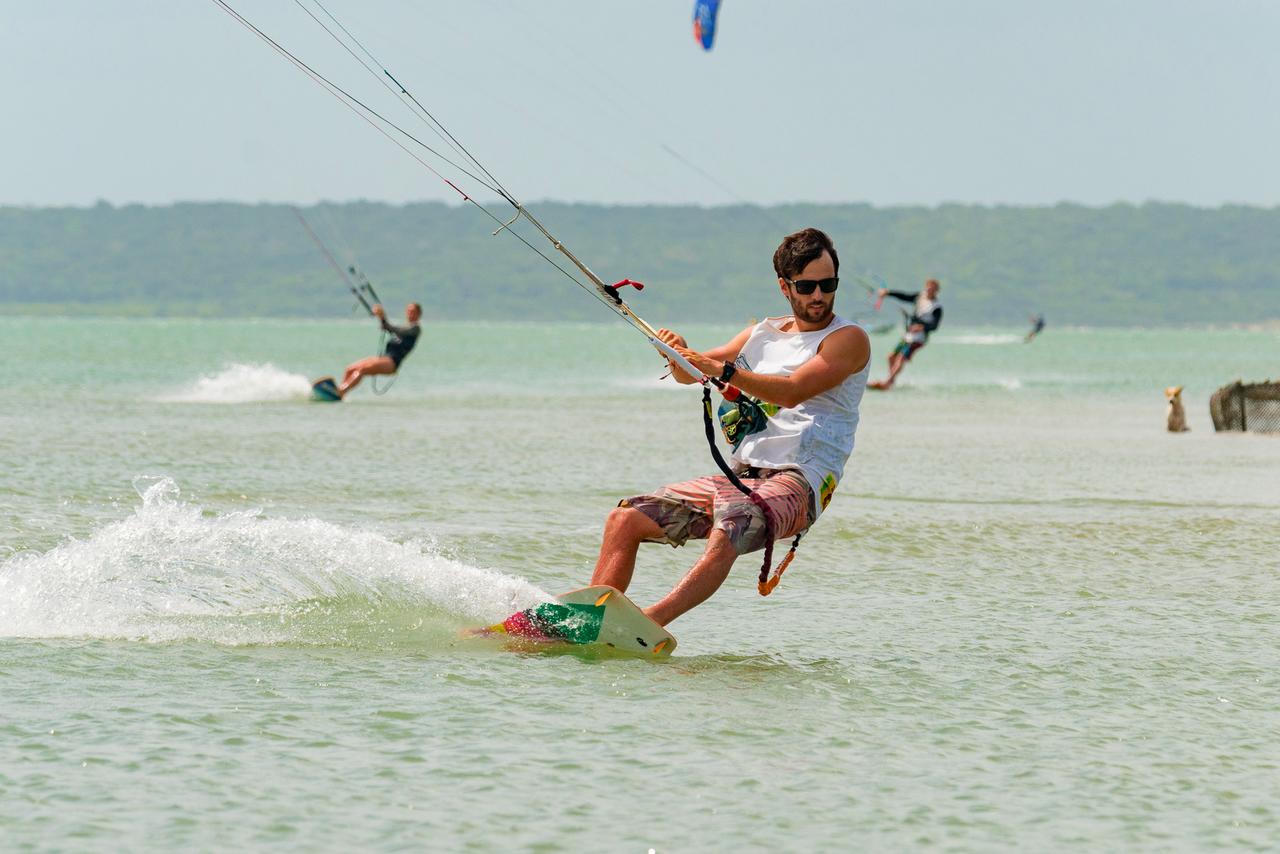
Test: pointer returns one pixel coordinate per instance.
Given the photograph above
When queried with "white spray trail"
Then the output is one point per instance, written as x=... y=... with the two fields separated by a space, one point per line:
x=171 y=572
x=242 y=383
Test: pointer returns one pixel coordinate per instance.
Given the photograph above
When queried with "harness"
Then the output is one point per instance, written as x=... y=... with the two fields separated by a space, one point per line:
x=382 y=348
x=738 y=402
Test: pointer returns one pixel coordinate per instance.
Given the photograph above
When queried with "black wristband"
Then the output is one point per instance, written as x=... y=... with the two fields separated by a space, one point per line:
x=729 y=370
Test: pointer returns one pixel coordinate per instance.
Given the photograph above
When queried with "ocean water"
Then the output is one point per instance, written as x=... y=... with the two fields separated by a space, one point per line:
x=1031 y=617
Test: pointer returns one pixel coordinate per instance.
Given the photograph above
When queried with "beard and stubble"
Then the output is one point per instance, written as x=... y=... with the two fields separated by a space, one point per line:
x=812 y=308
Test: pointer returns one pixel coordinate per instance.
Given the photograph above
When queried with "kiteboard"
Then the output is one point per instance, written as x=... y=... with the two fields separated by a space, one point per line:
x=594 y=617
x=325 y=390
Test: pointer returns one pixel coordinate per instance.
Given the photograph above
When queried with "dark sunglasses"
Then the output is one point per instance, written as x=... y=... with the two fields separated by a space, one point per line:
x=804 y=287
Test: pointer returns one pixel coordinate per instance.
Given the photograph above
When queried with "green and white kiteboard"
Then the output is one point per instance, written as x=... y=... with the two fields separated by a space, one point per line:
x=593 y=617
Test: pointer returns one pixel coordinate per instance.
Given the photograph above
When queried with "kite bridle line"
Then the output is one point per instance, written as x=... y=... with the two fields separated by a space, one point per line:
x=361 y=287
x=333 y=262
x=606 y=294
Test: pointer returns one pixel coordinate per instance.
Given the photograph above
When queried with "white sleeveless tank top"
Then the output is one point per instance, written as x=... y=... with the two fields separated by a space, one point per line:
x=815 y=437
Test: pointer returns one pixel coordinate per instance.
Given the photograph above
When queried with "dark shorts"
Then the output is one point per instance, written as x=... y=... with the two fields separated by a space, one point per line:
x=691 y=510
x=907 y=349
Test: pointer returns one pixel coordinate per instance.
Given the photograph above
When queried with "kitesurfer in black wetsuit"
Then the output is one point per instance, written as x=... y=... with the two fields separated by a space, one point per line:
x=399 y=343
x=925 y=317
x=1037 y=324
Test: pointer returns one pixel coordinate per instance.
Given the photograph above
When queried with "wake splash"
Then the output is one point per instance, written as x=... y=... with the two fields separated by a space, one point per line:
x=171 y=572
x=241 y=383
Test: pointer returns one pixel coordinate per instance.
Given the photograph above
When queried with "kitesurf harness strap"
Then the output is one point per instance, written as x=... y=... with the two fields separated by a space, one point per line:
x=382 y=348
x=765 y=584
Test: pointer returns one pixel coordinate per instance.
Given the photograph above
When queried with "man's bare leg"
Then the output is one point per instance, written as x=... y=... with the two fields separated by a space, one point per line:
x=351 y=378
x=373 y=366
x=894 y=371
x=895 y=365
x=702 y=579
x=350 y=381
x=624 y=531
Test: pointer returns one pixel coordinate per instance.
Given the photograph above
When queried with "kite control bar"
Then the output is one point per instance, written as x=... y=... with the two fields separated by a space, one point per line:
x=612 y=290
x=680 y=361
x=663 y=348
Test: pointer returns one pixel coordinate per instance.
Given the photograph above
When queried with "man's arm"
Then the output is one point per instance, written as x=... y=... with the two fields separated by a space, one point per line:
x=724 y=353
x=398 y=331
x=840 y=355
x=902 y=295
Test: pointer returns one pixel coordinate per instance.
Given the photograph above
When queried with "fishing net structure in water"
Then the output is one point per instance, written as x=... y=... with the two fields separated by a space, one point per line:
x=1242 y=406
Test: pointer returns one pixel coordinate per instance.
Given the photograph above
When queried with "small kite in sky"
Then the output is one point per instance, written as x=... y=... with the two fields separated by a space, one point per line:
x=704 y=21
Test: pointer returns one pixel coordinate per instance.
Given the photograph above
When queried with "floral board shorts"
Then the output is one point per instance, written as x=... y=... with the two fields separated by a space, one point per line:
x=691 y=510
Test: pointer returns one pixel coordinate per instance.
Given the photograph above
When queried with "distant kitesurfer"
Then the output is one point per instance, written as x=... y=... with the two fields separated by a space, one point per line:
x=923 y=320
x=400 y=342
x=802 y=376
x=1037 y=324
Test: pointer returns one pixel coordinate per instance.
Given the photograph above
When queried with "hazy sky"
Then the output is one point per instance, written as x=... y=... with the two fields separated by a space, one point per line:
x=883 y=101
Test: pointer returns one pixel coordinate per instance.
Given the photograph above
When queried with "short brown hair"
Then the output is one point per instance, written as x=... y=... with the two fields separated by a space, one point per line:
x=416 y=305
x=801 y=249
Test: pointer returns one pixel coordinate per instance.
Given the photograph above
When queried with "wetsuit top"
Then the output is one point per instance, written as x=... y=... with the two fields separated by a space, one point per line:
x=928 y=313
x=401 y=341
x=1039 y=322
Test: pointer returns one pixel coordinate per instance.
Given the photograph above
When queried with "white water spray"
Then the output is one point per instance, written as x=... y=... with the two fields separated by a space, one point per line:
x=172 y=572
x=242 y=383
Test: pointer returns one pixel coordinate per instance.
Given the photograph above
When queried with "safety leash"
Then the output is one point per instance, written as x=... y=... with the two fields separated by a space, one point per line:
x=765 y=584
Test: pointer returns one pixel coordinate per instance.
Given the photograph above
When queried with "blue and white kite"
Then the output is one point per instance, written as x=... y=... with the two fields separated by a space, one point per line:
x=704 y=21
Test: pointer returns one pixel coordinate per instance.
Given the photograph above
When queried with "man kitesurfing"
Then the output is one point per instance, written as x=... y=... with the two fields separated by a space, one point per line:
x=401 y=339
x=1037 y=326
x=802 y=377
x=925 y=317
x=400 y=342
x=792 y=388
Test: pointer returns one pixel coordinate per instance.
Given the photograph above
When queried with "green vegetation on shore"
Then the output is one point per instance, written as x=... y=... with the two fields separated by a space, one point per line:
x=1129 y=265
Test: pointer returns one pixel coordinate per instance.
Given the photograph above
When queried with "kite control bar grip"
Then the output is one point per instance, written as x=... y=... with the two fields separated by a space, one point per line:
x=680 y=361
x=612 y=290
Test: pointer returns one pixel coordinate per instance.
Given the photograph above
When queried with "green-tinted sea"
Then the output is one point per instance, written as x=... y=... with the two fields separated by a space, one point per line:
x=1031 y=619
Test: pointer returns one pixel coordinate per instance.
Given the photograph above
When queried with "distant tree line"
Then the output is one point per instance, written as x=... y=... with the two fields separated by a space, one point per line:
x=1150 y=264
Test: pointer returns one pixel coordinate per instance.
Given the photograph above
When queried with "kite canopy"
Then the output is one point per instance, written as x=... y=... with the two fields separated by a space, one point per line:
x=704 y=22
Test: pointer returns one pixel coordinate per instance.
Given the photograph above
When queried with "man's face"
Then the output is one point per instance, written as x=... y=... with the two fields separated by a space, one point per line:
x=816 y=307
x=931 y=291
x=411 y=312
